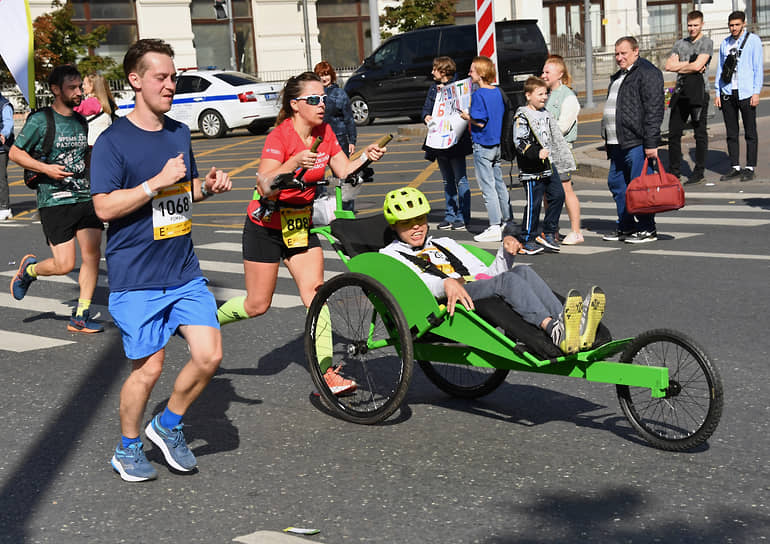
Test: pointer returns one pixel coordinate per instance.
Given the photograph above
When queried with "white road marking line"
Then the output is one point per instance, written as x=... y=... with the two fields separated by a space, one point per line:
x=20 y=342
x=737 y=256
x=237 y=268
x=710 y=221
x=709 y=195
x=44 y=305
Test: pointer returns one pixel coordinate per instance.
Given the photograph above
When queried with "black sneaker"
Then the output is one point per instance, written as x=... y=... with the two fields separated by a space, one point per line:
x=747 y=174
x=642 y=237
x=458 y=225
x=696 y=177
x=735 y=173
x=444 y=225
x=617 y=236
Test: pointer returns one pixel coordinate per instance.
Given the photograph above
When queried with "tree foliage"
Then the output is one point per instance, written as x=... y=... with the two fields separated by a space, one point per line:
x=60 y=41
x=412 y=14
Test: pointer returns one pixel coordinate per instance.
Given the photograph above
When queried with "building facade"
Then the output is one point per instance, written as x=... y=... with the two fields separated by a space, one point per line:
x=269 y=36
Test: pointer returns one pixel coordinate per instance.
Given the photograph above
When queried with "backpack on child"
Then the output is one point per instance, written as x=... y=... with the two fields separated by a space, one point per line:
x=507 y=147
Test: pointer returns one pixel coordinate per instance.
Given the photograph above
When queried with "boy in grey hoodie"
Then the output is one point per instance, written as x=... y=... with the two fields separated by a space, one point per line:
x=541 y=153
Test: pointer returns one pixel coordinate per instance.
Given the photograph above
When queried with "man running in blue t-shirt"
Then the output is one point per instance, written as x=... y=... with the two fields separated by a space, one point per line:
x=144 y=180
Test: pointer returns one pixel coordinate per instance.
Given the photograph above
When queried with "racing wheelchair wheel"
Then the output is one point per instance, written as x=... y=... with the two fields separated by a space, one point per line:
x=690 y=411
x=355 y=317
x=463 y=381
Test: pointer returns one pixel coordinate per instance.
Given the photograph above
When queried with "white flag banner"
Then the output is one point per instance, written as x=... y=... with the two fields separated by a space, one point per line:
x=17 y=45
x=446 y=127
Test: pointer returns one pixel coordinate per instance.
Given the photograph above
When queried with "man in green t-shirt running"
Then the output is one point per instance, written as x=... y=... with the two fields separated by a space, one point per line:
x=63 y=196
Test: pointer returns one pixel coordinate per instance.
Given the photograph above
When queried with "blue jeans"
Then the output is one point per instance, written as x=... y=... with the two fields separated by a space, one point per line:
x=486 y=160
x=625 y=165
x=523 y=290
x=554 y=195
x=456 y=189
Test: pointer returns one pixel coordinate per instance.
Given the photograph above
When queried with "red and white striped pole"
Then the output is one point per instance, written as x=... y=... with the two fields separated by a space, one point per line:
x=485 y=29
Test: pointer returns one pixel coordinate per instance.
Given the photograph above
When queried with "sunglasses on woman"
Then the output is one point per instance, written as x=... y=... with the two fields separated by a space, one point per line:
x=313 y=99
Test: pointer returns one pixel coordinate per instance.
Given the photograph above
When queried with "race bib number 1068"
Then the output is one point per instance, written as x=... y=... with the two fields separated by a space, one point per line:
x=172 y=211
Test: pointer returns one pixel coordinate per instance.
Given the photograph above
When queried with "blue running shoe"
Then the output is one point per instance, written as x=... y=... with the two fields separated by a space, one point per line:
x=21 y=281
x=531 y=248
x=171 y=442
x=132 y=465
x=84 y=323
x=548 y=241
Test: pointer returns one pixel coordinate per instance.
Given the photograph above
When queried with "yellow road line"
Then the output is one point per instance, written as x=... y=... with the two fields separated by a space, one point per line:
x=222 y=148
x=425 y=174
x=246 y=166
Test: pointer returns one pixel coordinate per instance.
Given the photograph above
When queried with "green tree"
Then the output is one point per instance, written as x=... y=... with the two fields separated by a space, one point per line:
x=413 y=14
x=60 y=41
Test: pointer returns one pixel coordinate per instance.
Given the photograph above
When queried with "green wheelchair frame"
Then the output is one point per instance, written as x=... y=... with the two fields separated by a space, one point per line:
x=379 y=317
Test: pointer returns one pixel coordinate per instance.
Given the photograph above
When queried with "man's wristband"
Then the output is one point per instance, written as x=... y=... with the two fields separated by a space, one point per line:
x=149 y=192
x=204 y=191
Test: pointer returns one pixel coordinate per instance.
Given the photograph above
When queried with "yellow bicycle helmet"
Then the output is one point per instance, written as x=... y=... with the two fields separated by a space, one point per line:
x=404 y=203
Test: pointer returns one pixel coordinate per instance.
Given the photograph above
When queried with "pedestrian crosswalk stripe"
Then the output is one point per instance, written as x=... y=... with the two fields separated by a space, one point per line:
x=235 y=247
x=674 y=220
x=20 y=342
x=699 y=254
x=44 y=305
x=237 y=268
x=710 y=208
x=708 y=195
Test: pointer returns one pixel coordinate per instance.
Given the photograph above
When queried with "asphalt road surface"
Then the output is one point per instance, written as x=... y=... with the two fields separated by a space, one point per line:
x=542 y=459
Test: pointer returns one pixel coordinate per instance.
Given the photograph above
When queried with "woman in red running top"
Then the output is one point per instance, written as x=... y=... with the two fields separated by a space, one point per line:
x=284 y=234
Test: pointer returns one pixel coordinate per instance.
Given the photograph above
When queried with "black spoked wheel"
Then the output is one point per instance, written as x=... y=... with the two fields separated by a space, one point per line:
x=466 y=382
x=689 y=413
x=357 y=321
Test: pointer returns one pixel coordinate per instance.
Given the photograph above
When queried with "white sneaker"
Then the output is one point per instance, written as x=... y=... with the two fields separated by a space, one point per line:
x=572 y=238
x=493 y=233
x=5 y=214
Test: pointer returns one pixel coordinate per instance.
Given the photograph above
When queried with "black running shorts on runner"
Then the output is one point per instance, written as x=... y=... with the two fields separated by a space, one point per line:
x=60 y=223
x=264 y=245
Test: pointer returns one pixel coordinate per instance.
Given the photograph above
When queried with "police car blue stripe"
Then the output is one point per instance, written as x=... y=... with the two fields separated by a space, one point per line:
x=217 y=98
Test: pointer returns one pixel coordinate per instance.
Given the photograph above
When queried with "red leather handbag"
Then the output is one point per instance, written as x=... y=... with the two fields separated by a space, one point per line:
x=654 y=193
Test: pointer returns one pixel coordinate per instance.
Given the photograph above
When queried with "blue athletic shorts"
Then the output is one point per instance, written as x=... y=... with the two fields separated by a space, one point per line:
x=148 y=318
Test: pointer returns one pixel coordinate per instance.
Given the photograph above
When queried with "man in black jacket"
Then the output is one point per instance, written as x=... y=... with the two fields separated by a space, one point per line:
x=631 y=130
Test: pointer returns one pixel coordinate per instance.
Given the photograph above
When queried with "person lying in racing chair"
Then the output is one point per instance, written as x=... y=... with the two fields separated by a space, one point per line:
x=450 y=271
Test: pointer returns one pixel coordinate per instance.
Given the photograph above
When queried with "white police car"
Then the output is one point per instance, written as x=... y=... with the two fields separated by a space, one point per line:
x=214 y=101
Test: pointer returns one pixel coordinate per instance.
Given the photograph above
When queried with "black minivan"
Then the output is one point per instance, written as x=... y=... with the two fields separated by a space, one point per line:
x=394 y=80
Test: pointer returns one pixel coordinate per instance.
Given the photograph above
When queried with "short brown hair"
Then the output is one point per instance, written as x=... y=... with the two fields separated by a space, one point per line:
x=445 y=65
x=631 y=41
x=695 y=14
x=132 y=61
x=532 y=83
x=485 y=68
x=558 y=61
x=323 y=68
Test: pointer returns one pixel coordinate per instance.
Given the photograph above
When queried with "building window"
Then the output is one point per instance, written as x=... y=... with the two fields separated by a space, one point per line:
x=344 y=32
x=212 y=36
x=563 y=26
x=667 y=18
x=118 y=17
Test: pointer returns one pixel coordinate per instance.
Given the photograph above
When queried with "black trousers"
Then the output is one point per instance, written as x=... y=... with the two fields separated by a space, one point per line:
x=682 y=110
x=730 y=108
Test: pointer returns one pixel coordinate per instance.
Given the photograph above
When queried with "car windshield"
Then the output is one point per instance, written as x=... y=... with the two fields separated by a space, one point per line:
x=237 y=79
